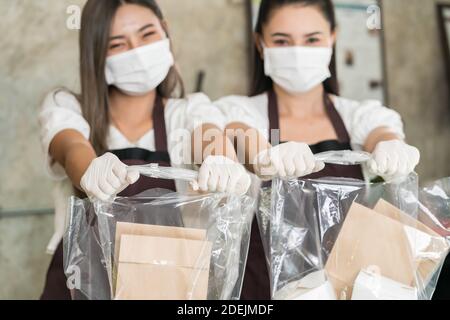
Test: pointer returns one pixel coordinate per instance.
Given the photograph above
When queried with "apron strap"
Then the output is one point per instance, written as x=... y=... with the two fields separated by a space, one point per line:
x=336 y=120
x=333 y=115
x=274 y=115
x=159 y=125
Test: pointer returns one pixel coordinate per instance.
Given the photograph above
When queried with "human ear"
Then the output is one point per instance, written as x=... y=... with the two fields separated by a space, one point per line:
x=258 y=42
x=165 y=27
x=333 y=37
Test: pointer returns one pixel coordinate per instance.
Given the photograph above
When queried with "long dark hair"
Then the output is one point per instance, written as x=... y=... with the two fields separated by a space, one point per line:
x=96 y=22
x=261 y=83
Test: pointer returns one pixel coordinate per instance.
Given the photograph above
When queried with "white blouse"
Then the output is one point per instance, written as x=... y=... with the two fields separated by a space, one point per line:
x=360 y=118
x=62 y=111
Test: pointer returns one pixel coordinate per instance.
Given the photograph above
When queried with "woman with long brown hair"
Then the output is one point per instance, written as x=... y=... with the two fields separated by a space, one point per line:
x=295 y=96
x=131 y=110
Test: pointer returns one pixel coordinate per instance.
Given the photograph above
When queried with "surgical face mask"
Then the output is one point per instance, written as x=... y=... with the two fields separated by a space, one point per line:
x=141 y=70
x=298 y=69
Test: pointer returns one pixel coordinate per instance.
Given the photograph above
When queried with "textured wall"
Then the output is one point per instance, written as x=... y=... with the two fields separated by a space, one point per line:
x=418 y=85
x=210 y=35
x=23 y=262
x=38 y=54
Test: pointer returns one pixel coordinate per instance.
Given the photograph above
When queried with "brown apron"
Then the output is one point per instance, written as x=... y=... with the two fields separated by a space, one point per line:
x=55 y=287
x=256 y=284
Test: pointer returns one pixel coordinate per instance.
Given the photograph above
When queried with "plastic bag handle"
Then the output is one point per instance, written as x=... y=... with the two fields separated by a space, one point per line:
x=345 y=157
x=155 y=171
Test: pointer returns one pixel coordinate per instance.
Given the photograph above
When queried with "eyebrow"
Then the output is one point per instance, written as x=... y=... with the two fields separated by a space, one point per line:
x=313 y=34
x=280 y=34
x=140 y=30
x=146 y=27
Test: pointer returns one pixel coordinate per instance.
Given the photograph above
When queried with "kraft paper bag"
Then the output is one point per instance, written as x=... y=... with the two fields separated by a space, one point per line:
x=428 y=247
x=123 y=228
x=369 y=240
x=158 y=268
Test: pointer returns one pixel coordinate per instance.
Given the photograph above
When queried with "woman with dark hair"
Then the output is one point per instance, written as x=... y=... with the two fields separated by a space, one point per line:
x=294 y=98
x=131 y=110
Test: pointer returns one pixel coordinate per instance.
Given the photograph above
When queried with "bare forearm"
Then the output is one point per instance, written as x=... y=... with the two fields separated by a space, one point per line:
x=72 y=151
x=248 y=142
x=378 y=135
x=209 y=140
x=77 y=161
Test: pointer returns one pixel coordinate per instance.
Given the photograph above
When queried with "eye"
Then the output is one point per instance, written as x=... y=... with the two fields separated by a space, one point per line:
x=281 y=42
x=115 y=46
x=149 y=34
x=312 y=40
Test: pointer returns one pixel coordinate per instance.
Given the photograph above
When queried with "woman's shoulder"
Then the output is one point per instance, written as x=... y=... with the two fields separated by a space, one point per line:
x=351 y=103
x=61 y=98
x=366 y=108
x=242 y=99
x=362 y=117
x=191 y=98
x=191 y=111
x=189 y=102
x=236 y=105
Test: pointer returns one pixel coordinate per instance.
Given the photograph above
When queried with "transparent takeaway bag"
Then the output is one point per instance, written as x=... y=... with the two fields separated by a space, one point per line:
x=158 y=245
x=337 y=238
x=434 y=211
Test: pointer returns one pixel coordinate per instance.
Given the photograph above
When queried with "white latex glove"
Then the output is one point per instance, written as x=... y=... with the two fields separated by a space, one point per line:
x=393 y=159
x=288 y=160
x=221 y=174
x=106 y=177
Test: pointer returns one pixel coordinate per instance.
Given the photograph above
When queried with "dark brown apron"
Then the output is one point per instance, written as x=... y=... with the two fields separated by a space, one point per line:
x=55 y=286
x=443 y=286
x=256 y=284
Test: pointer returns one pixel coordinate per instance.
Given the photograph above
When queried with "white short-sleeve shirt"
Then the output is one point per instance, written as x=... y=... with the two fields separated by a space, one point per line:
x=61 y=111
x=360 y=118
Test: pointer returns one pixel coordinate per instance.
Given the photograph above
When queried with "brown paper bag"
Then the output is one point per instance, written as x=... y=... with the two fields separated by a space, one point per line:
x=132 y=229
x=438 y=246
x=366 y=242
x=123 y=228
x=157 y=268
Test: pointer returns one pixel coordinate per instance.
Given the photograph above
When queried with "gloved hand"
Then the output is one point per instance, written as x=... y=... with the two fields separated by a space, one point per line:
x=106 y=177
x=221 y=174
x=393 y=159
x=292 y=159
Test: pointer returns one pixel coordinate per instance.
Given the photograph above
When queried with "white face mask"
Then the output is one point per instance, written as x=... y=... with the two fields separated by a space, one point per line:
x=141 y=70
x=298 y=69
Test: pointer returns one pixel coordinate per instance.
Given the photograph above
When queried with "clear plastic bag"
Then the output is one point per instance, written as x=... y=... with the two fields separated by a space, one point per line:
x=434 y=211
x=345 y=239
x=158 y=245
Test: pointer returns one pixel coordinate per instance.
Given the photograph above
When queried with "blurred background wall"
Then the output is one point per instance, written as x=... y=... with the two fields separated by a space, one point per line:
x=39 y=53
x=417 y=81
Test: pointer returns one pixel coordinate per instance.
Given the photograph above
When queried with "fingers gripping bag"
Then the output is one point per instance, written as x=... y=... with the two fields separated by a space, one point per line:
x=338 y=238
x=158 y=245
